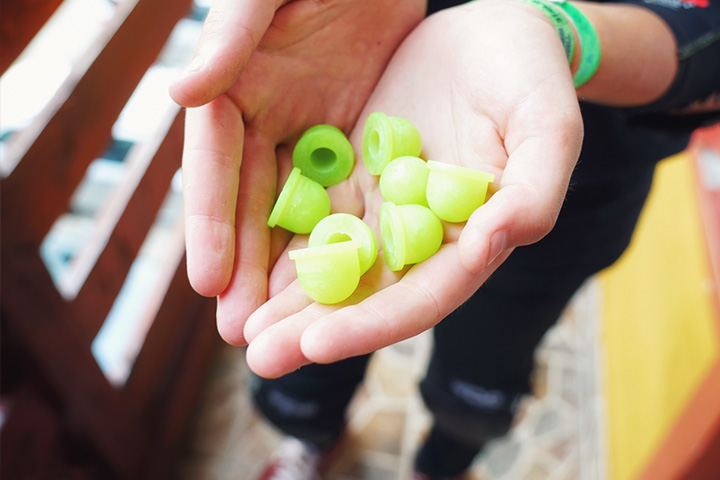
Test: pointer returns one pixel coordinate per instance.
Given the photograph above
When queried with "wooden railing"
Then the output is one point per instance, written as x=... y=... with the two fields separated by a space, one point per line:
x=62 y=417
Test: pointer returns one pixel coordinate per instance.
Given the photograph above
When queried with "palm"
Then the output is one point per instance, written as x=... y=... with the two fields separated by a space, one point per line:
x=478 y=108
x=319 y=64
x=316 y=63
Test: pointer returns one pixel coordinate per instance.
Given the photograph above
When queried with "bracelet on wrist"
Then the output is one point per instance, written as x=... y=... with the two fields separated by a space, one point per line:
x=566 y=18
x=590 y=51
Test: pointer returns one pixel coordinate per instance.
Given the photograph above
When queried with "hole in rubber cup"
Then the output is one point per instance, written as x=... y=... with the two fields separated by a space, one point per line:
x=374 y=143
x=338 y=237
x=323 y=159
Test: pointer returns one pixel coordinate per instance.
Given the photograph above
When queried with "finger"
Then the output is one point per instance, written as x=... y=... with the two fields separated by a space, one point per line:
x=429 y=292
x=347 y=197
x=279 y=241
x=292 y=299
x=231 y=33
x=210 y=168
x=283 y=271
x=276 y=351
x=531 y=192
x=286 y=303
x=248 y=288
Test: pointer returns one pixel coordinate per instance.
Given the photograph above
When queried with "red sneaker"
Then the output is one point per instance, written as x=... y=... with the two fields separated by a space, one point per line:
x=295 y=459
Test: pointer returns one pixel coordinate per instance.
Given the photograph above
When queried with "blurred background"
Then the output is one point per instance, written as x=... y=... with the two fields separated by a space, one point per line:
x=111 y=366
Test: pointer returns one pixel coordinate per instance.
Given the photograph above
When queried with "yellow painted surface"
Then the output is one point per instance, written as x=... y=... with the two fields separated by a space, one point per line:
x=660 y=335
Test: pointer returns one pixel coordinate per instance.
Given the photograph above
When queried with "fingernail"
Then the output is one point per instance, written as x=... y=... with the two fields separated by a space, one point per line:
x=497 y=245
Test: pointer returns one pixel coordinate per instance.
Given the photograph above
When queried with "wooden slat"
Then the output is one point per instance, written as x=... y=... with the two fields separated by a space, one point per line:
x=690 y=448
x=70 y=101
x=106 y=219
x=193 y=360
x=52 y=155
x=39 y=318
x=136 y=429
x=169 y=371
x=692 y=436
x=707 y=465
x=167 y=266
x=106 y=278
x=177 y=314
x=20 y=20
x=30 y=431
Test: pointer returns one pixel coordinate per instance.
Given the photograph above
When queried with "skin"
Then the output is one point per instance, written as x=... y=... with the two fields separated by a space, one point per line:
x=521 y=123
x=312 y=62
x=512 y=111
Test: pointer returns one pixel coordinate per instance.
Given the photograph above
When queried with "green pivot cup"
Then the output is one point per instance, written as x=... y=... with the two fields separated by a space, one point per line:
x=387 y=138
x=340 y=227
x=329 y=273
x=409 y=234
x=324 y=154
x=302 y=203
x=455 y=192
x=404 y=180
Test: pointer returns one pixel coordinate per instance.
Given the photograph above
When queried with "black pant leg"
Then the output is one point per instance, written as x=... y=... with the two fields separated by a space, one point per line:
x=483 y=356
x=310 y=403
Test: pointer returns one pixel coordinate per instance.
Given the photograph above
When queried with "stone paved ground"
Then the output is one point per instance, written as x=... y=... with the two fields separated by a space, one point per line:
x=558 y=434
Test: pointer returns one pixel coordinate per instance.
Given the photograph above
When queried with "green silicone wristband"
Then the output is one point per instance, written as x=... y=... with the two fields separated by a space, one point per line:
x=590 y=51
x=562 y=26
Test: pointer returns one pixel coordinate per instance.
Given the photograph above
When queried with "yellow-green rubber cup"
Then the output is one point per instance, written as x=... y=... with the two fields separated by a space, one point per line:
x=404 y=181
x=409 y=234
x=341 y=227
x=328 y=273
x=302 y=203
x=324 y=154
x=455 y=192
x=387 y=138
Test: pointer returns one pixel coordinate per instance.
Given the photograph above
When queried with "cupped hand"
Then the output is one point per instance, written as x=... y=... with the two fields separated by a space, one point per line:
x=489 y=87
x=263 y=72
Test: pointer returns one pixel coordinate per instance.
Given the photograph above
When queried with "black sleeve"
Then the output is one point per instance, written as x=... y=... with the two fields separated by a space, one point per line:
x=696 y=27
x=435 y=5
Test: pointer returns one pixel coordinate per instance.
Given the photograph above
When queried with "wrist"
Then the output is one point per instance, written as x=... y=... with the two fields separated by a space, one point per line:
x=639 y=60
x=638 y=51
x=574 y=30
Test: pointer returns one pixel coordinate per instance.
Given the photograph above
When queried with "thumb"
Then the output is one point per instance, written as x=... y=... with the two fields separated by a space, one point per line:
x=527 y=204
x=230 y=34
